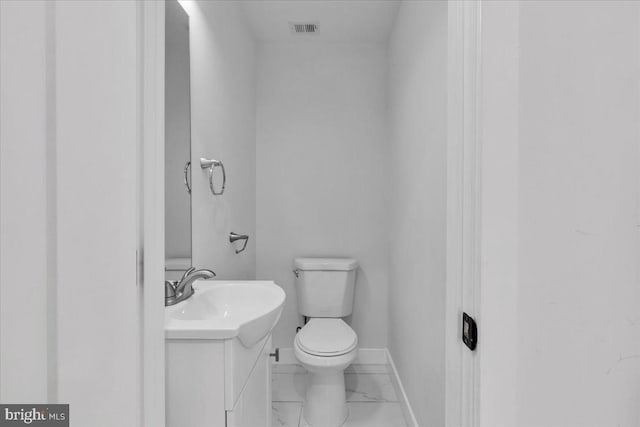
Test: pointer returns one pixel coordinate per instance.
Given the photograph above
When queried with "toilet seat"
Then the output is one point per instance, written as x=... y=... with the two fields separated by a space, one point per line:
x=326 y=337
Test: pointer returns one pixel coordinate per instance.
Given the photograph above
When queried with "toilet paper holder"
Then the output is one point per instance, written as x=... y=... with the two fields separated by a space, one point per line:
x=235 y=236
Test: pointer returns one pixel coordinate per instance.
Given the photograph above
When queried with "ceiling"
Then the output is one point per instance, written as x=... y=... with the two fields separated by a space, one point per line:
x=351 y=21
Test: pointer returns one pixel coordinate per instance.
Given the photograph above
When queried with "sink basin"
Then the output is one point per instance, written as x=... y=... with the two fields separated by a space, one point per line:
x=222 y=310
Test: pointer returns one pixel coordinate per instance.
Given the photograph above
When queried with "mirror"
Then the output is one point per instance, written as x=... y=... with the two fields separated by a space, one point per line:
x=177 y=141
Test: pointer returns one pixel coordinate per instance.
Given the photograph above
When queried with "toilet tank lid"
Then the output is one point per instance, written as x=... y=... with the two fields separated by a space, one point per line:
x=328 y=264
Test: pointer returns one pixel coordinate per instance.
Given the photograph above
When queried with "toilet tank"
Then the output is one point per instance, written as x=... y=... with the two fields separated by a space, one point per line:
x=324 y=286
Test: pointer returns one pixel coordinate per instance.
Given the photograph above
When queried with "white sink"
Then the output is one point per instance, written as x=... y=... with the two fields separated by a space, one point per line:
x=222 y=310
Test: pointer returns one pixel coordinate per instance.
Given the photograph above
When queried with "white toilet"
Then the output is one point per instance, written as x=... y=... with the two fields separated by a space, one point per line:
x=326 y=345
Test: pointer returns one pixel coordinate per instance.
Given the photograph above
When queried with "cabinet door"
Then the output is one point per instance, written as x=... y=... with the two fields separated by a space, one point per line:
x=253 y=408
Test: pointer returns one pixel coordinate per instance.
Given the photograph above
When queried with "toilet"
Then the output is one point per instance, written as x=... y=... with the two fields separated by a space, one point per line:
x=326 y=345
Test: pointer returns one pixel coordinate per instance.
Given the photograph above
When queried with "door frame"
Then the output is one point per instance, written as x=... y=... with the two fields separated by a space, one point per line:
x=463 y=209
x=151 y=207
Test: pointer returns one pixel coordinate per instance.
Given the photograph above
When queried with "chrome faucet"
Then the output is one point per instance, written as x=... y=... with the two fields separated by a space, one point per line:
x=175 y=292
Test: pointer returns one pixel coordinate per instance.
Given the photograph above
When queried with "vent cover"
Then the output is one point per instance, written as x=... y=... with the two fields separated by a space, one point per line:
x=304 y=27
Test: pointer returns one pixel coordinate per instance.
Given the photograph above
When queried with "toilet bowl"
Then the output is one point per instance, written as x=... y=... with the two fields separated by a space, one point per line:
x=325 y=347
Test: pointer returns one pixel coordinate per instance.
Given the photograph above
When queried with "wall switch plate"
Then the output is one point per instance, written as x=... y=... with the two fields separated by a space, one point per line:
x=469 y=331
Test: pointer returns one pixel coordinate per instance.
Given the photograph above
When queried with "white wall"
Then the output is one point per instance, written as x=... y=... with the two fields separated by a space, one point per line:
x=418 y=99
x=323 y=172
x=222 y=127
x=576 y=213
x=23 y=202
x=578 y=243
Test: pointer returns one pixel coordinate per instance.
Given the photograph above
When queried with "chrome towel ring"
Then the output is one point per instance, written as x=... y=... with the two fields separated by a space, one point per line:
x=211 y=164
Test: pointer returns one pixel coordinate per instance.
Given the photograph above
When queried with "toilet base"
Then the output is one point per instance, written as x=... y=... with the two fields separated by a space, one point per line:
x=325 y=404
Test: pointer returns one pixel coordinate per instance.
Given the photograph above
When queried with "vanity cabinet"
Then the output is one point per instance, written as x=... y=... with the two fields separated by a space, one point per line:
x=218 y=383
x=253 y=406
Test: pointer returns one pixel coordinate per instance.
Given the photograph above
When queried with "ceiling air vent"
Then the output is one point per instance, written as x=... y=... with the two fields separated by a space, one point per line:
x=303 y=27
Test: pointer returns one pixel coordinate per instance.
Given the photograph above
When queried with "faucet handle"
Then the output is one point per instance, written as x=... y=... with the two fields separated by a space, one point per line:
x=186 y=274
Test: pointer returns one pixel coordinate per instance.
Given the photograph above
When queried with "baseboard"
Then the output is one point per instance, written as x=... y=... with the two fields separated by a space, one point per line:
x=366 y=356
x=402 y=395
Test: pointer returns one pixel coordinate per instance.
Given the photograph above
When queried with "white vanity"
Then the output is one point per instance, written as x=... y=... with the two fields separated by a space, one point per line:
x=217 y=354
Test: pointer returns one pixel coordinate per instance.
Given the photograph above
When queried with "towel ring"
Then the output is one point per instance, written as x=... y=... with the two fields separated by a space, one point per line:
x=212 y=164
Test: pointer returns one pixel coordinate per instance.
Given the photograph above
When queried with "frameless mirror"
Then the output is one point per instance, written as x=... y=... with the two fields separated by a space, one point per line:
x=177 y=141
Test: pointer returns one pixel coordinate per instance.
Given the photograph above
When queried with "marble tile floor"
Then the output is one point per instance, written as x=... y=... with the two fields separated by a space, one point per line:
x=371 y=398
